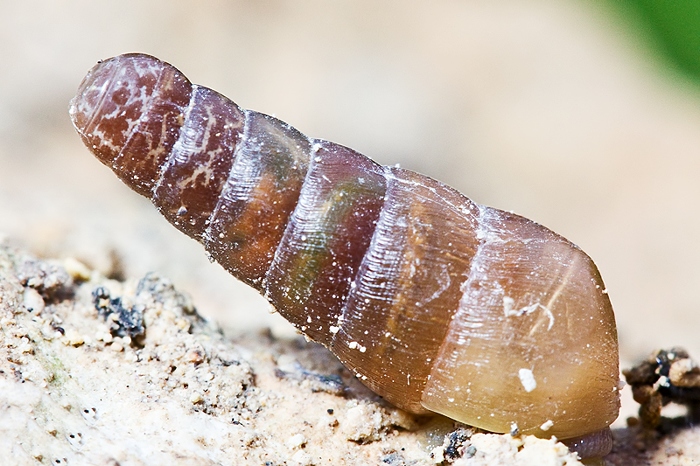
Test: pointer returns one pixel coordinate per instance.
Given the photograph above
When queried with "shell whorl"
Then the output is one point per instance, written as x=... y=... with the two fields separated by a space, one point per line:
x=433 y=301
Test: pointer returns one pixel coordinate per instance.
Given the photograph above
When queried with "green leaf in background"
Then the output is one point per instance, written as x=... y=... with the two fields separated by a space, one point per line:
x=671 y=27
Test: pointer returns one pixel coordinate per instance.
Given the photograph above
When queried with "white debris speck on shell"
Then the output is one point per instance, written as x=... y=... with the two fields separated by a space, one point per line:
x=508 y=304
x=547 y=425
x=514 y=430
x=527 y=379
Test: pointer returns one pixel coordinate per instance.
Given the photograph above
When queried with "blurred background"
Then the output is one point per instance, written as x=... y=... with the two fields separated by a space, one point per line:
x=580 y=115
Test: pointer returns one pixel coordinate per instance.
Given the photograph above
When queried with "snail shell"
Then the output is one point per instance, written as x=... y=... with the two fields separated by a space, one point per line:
x=436 y=303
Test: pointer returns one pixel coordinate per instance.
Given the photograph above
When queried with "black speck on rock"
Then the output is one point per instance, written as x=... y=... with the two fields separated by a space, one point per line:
x=126 y=321
x=456 y=443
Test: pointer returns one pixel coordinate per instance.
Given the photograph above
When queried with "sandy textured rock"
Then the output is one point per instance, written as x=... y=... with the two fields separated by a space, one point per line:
x=80 y=383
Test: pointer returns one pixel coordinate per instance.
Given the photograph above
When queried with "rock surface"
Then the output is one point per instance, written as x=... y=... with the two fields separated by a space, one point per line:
x=82 y=385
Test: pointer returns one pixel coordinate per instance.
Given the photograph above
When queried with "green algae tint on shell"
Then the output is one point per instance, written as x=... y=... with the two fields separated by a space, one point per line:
x=436 y=303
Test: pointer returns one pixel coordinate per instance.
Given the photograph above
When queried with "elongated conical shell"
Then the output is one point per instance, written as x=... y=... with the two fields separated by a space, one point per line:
x=433 y=301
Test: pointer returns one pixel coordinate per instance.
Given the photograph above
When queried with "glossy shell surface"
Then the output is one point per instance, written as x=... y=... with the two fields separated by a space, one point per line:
x=435 y=302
